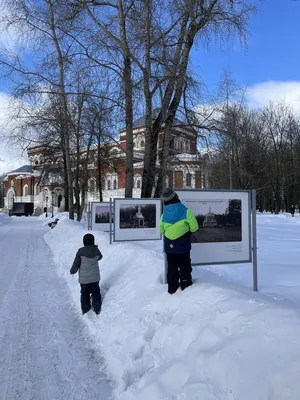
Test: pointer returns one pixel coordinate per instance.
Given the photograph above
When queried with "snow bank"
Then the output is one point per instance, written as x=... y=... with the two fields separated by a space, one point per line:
x=214 y=341
x=61 y=216
x=4 y=219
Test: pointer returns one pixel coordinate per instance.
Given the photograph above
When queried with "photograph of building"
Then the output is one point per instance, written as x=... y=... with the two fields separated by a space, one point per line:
x=137 y=216
x=102 y=215
x=219 y=220
x=41 y=181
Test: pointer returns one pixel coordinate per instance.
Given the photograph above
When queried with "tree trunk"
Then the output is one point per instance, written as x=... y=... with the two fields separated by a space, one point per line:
x=150 y=160
x=99 y=169
x=148 y=153
x=173 y=108
x=127 y=79
x=64 y=107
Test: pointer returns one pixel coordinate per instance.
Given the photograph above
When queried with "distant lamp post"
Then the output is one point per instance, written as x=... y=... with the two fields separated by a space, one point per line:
x=46 y=206
x=52 y=203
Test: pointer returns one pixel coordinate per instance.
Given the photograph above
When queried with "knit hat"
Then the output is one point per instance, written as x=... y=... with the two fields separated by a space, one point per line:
x=88 y=239
x=169 y=194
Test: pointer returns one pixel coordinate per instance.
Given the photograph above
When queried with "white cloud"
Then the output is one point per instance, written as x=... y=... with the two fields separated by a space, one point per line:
x=261 y=94
x=11 y=157
x=11 y=37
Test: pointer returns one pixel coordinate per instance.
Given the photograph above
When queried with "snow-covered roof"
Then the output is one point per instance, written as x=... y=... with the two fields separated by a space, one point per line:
x=187 y=156
x=24 y=169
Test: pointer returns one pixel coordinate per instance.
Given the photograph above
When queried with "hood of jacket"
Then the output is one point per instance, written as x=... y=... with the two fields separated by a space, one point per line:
x=174 y=212
x=89 y=251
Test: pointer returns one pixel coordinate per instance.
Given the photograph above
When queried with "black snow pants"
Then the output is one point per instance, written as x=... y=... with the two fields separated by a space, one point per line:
x=89 y=290
x=179 y=270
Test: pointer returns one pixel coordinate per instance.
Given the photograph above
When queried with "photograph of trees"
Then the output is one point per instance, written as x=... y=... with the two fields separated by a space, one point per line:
x=137 y=216
x=102 y=214
x=219 y=221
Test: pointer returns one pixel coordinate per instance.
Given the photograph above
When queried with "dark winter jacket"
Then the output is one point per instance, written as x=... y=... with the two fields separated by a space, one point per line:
x=86 y=262
x=177 y=223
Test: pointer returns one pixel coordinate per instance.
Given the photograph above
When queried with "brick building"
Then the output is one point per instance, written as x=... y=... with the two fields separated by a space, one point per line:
x=41 y=182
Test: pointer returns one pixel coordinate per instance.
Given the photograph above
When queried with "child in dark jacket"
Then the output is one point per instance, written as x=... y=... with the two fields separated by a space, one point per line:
x=86 y=263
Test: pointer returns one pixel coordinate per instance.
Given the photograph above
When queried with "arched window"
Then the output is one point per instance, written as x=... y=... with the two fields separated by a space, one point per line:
x=142 y=143
x=10 y=199
x=181 y=146
x=25 y=190
x=36 y=189
x=188 y=179
x=138 y=184
x=92 y=185
x=115 y=184
x=108 y=185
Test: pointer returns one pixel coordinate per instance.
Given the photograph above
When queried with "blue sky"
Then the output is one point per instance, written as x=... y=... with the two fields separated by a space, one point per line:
x=273 y=52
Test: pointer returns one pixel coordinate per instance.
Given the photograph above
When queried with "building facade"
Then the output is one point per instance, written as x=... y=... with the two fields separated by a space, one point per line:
x=41 y=181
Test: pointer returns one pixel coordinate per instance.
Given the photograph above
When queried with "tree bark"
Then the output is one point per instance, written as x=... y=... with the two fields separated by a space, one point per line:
x=127 y=79
x=64 y=107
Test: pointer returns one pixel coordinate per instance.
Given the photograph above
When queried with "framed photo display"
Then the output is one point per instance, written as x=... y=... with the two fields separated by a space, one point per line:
x=100 y=216
x=136 y=219
x=224 y=234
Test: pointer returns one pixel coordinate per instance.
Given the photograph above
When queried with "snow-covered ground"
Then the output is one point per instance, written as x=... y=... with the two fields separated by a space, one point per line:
x=45 y=353
x=217 y=340
x=4 y=219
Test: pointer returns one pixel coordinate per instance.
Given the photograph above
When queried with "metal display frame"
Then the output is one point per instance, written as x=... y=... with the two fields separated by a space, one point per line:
x=115 y=200
x=91 y=218
x=89 y=213
x=251 y=231
x=111 y=231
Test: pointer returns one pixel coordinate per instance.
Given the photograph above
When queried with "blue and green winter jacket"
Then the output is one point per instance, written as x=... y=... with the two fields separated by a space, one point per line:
x=176 y=224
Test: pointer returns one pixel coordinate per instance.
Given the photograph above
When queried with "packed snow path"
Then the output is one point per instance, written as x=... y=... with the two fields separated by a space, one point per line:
x=43 y=353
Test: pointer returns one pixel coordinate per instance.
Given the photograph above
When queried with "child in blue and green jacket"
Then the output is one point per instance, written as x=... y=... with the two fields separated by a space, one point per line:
x=176 y=224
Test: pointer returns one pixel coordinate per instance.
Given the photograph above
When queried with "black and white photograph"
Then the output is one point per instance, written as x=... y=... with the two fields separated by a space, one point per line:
x=136 y=219
x=137 y=216
x=219 y=220
x=102 y=214
x=224 y=225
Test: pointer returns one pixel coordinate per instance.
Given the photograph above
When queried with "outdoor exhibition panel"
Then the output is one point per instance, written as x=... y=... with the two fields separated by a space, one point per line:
x=136 y=219
x=224 y=234
x=100 y=216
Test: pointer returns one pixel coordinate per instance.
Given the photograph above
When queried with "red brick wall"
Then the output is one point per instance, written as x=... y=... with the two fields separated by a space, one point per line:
x=198 y=180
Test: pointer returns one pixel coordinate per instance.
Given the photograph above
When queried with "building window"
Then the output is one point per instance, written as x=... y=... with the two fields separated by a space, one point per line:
x=138 y=184
x=92 y=186
x=37 y=189
x=12 y=183
x=181 y=146
x=108 y=185
x=25 y=190
x=142 y=143
x=188 y=179
x=115 y=184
